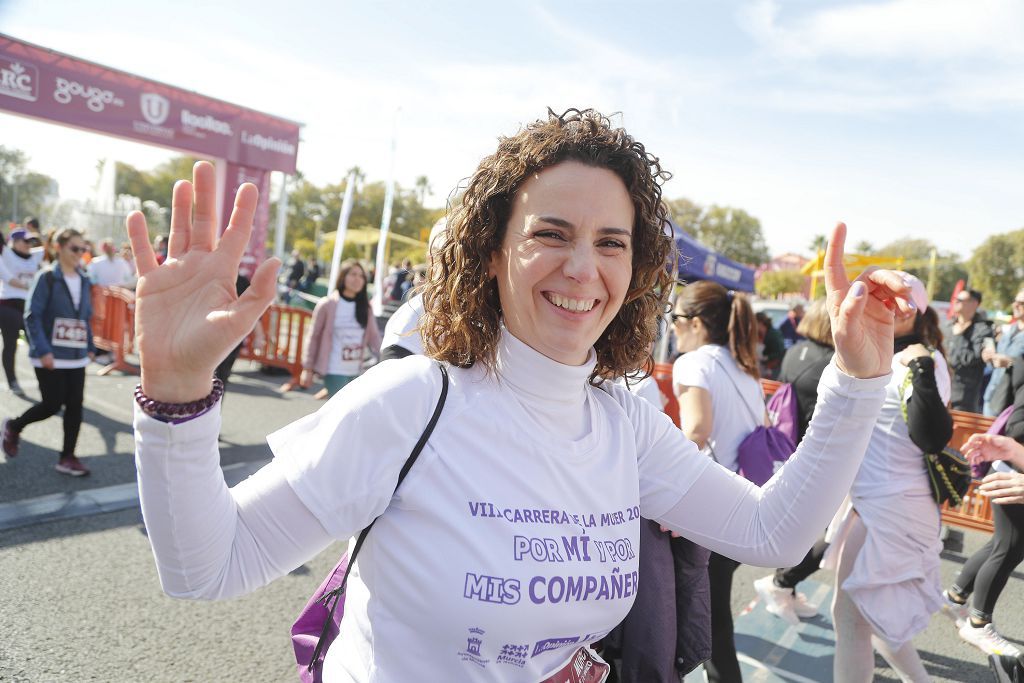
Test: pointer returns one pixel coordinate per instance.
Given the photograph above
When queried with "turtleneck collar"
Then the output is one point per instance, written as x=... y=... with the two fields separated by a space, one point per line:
x=533 y=374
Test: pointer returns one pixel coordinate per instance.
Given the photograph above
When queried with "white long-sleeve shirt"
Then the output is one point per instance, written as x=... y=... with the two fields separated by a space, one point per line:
x=514 y=538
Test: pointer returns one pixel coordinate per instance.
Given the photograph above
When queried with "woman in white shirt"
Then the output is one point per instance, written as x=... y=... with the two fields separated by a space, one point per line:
x=720 y=402
x=18 y=265
x=512 y=543
x=885 y=543
x=342 y=330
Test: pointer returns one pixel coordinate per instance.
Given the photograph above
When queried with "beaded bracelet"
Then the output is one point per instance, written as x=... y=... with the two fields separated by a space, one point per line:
x=179 y=410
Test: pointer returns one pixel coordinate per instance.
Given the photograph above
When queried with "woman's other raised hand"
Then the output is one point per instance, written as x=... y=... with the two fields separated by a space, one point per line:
x=187 y=314
x=863 y=312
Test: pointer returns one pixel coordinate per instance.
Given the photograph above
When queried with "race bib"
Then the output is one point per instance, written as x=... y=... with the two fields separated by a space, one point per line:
x=350 y=353
x=586 y=666
x=70 y=333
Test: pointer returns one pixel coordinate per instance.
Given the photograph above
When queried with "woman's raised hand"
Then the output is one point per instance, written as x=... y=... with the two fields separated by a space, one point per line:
x=187 y=314
x=863 y=312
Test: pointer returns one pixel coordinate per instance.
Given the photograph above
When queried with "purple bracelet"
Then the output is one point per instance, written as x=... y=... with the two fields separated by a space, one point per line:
x=174 y=411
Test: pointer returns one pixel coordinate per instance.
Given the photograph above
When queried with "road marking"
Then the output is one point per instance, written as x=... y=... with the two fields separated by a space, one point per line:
x=60 y=506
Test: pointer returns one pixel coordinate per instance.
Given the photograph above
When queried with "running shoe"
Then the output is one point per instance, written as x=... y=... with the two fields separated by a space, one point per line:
x=954 y=610
x=11 y=438
x=803 y=609
x=72 y=466
x=778 y=601
x=988 y=640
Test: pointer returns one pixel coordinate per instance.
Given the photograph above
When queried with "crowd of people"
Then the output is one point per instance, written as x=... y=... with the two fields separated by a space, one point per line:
x=557 y=518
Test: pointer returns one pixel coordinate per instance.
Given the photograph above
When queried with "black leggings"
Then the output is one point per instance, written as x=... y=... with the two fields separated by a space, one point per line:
x=12 y=320
x=789 y=577
x=723 y=667
x=986 y=572
x=58 y=388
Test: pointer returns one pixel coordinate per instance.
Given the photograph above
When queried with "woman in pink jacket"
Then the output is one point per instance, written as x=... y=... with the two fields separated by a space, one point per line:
x=343 y=329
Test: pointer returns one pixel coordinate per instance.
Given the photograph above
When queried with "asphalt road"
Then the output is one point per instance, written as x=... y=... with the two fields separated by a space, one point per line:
x=79 y=597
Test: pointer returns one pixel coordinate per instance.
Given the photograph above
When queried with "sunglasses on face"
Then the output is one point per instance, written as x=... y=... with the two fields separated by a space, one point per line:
x=78 y=250
x=676 y=317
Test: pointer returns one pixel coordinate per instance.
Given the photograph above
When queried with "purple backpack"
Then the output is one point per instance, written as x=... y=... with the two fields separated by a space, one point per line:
x=765 y=449
x=979 y=470
x=782 y=411
x=320 y=620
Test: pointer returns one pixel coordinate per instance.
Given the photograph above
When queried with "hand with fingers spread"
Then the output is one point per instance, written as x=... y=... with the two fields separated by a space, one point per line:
x=863 y=313
x=989 y=447
x=187 y=314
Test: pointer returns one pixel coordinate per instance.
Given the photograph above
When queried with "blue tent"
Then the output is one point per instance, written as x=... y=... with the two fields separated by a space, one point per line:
x=697 y=262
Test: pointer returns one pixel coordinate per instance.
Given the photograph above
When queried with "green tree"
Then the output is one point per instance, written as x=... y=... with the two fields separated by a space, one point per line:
x=997 y=268
x=734 y=233
x=686 y=214
x=773 y=283
x=818 y=243
x=408 y=215
x=24 y=192
x=917 y=255
x=864 y=247
x=153 y=188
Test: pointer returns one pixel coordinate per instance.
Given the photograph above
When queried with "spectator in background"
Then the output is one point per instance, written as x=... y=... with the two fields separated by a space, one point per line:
x=1009 y=346
x=402 y=278
x=771 y=347
x=312 y=273
x=160 y=248
x=296 y=269
x=129 y=258
x=966 y=344
x=343 y=327
x=109 y=269
x=18 y=265
x=790 y=334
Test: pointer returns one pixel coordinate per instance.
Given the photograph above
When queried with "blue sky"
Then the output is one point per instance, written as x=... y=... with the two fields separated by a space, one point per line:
x=901 y=117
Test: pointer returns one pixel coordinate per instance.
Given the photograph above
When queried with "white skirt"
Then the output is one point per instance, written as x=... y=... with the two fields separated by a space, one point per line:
x=895 y=581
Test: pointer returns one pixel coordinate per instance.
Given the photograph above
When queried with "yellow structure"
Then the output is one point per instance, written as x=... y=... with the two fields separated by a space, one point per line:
x=368 y=237
x=854 y=264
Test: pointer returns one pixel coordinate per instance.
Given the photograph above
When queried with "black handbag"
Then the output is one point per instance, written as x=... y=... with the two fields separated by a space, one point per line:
x=949 y=473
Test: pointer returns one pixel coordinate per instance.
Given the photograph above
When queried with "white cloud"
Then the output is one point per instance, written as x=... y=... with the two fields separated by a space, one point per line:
x=923 y=30
x=900 y=55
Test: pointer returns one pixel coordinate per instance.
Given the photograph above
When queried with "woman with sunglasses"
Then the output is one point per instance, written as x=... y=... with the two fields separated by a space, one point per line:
x=720 y=402
x=60 y=348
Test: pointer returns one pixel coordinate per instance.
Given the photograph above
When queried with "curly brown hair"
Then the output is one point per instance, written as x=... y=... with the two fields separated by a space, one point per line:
x=462 y=312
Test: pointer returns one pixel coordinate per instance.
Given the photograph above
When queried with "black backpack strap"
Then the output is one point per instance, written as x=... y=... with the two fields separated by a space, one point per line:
x=334 y=596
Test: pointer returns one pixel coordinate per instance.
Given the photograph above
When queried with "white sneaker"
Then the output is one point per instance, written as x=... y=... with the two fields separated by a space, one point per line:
x=954 y=610
x=804 y=609
x=988 y=640
x=778 y=601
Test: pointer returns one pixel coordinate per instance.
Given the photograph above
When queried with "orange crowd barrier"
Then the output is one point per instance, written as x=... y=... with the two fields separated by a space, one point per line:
x=113 y=326
x=279 y=338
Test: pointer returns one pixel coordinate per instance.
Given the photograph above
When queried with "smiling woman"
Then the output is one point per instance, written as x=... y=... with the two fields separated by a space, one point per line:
x=550 y=282
x=567 y=190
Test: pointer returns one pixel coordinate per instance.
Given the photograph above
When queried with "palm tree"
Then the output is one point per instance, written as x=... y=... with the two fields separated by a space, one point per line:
x=818 y=243
x=423 y=187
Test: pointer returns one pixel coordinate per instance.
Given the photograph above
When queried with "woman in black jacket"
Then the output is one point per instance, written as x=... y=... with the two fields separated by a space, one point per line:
x=986 y=572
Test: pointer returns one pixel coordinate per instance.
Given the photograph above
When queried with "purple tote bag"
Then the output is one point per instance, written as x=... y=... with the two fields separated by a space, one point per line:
x=320 y=620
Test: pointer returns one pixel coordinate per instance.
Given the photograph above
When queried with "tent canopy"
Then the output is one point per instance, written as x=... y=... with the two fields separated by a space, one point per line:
x=697 y=262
